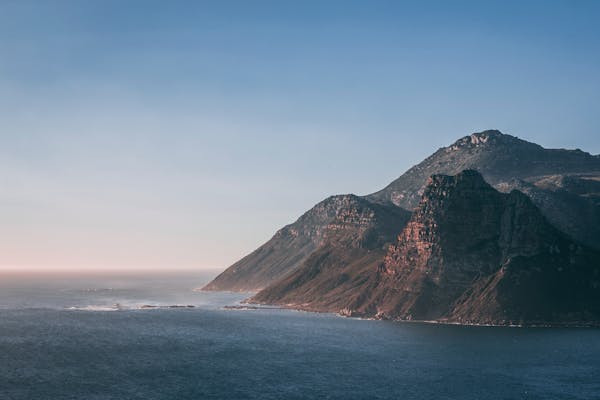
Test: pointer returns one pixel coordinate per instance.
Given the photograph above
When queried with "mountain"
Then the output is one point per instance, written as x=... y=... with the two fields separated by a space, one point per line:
x=345 y=221
x=564 y=184
x=469 y=254
x=498 y=157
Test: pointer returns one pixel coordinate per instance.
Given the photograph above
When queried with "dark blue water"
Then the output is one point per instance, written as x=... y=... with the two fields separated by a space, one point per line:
x=96 y=350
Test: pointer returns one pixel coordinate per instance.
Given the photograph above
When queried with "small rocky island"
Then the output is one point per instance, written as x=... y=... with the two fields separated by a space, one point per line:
x=489 y=230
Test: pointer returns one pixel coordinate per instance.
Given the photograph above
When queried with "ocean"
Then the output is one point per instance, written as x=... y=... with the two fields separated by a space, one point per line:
x=136 y=336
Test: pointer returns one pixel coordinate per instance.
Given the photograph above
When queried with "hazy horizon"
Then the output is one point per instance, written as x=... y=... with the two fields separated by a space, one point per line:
x=148 y=135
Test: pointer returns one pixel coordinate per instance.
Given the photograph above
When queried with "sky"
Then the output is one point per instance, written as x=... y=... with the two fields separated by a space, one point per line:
x=183 y=134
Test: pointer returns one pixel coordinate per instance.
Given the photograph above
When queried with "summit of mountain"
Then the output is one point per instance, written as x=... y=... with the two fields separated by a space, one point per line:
x=497 y=156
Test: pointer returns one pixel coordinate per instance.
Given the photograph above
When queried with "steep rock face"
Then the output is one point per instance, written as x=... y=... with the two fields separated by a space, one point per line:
x=469 y=254
x=451 y=239
x=344 y=220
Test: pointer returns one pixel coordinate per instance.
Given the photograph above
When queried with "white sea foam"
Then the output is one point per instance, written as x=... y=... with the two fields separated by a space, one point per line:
x=114 y=307
x=133 y=306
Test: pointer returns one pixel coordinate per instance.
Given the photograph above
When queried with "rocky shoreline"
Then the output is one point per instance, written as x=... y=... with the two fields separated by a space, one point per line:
x=345 y=313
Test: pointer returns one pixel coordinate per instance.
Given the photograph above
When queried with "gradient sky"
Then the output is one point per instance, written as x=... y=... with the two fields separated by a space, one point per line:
x=171 y=134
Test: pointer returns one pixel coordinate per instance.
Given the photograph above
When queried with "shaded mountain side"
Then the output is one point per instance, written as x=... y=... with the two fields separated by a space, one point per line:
x=469 y=254
x=344 y=220
x=543 y=289
x=498 y=157
x=586 y=185
x=570 y=203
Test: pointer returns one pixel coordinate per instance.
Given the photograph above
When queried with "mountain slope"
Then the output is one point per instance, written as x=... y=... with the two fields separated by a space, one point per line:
x=344 y=220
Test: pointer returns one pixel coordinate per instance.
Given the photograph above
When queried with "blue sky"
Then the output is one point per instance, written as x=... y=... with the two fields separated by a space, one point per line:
x=182 y=134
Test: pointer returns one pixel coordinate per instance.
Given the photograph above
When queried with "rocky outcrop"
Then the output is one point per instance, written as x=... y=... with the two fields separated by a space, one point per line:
x=469 y=254
x=346 y=221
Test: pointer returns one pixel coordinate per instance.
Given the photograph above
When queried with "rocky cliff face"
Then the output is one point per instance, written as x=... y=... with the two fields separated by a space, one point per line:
x=451 y=239
x=469 y=254
x=346 y=221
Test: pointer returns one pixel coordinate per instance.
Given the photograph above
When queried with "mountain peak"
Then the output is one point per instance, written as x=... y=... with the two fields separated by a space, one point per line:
x=483 y=135
x=498 y=157
x=488 y=137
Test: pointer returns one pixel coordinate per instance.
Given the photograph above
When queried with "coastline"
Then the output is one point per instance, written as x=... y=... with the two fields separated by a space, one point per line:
x=245 y=304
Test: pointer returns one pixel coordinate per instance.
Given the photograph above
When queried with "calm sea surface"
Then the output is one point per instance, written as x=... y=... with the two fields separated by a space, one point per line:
x=87 y=336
